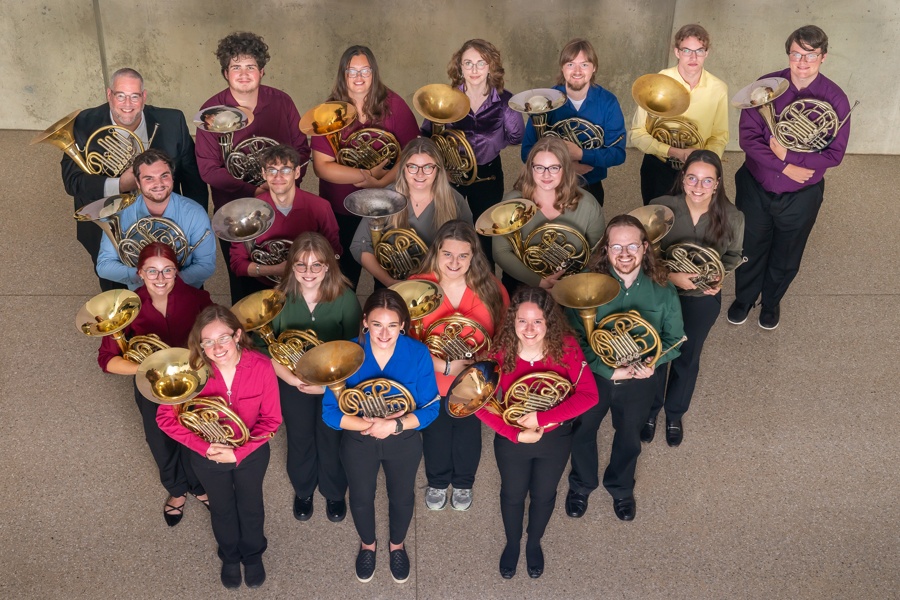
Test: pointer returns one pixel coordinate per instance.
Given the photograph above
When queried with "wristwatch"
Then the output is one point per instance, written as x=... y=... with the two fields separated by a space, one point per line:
x=399 y=427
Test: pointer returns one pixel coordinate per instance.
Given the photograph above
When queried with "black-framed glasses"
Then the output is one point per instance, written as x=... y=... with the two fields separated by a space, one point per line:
x=698 y=52
x=167 y=273
x=414 y=168
x=809 y=57
x=553 y=169
x=365 y=72
x=219 y=341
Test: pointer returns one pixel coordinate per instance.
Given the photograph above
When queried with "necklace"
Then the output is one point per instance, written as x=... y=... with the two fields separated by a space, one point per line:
x=534 y=358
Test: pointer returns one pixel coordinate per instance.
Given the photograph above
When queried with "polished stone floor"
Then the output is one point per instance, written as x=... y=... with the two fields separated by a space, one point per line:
x=786 y=486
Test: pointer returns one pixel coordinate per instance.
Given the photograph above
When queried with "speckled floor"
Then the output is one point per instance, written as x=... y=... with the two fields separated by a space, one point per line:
x=786 y=485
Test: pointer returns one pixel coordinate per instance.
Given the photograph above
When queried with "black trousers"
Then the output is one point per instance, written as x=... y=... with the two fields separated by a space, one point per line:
x=452 y=449
x=484 y=194
x=629 y=403
x=172 y=459
x=400 y=456
x=89 y=234
x=347 y=225
x=313 y=448
x=236 y=504
x=776 y=228
x=700 y=314
x=597 y=190
x=241 y=286
x=657 y=178
x=531 y=468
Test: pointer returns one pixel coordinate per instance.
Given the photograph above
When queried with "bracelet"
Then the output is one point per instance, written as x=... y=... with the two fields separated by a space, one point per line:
x=447 y=368
x=257 y=268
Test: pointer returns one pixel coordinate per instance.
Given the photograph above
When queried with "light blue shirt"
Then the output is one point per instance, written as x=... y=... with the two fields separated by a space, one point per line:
x=193 y=221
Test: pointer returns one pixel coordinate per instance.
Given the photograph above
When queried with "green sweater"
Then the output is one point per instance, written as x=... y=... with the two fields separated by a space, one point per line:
x=337 y=320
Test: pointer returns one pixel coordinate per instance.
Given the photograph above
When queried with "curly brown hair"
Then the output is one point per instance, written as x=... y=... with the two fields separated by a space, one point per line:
x=567 y=193
x=507 y=342
x=651 y=264
x=489 y=53
x=242 y=43
x=376 y=105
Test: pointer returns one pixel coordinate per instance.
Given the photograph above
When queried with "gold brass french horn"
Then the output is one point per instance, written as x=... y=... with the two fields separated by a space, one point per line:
x=657 y=220
x=365 y=148
x=549 y=248
x=118 y=146
x=109 y=313
x=442 y=104
x=399 y=251
x=243 y=221
x=422 y=298
x=241 y=161
x=665 y=100
x=705 y=262
x=456 y=338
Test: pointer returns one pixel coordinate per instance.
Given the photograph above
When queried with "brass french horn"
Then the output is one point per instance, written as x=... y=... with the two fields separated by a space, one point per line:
x=442 y=104
x=422 y=298
x=657 y=220
x=456 y=338
x=109 y=313
x=365 y=148
x=241 y=161
x=665 y=100
x=243 y=221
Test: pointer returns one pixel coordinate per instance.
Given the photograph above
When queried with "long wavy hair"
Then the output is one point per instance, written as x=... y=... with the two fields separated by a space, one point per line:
x=311 y=243
x=489 y=54
x=652 y=266
x=567 y=192
x=390 y=300
x=444 y=200
x=719 y=230
x=210 y=314
x=375 y=105
x=506 y=340
x=480 y=276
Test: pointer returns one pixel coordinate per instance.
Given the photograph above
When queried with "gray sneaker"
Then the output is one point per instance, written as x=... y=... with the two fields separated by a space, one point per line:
x=436 y=499
x=461 y=499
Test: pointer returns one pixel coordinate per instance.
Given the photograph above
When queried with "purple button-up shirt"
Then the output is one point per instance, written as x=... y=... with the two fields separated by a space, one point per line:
x=762 y=163
x=489 y=130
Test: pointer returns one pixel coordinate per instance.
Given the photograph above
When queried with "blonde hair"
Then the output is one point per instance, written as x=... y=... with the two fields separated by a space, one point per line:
x=444 y=200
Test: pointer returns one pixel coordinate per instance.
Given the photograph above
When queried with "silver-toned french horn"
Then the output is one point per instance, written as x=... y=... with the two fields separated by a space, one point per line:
x=242 y=160
x=536 y=104
x=665 y=100
x=365 y=148
x=243 y=221
x=442 y=104
x=108 y=314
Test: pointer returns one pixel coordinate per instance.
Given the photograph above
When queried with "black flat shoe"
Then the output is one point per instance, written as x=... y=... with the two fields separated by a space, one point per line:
x=576 y=504
x=534 y=557
x=507 y=573
x=399 y=565
x=303 y=508
x=336 y=510
x=173 y=514
x=231 y=575
x=648 y=431
x=254 y=575
x=674 y=432
x=365 y=565
x=625 y=508
x=508 y=560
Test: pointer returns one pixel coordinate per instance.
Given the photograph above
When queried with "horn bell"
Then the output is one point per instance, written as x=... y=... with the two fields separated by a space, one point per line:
x=441 y=103
x=330 y=364
x=660 y=95
x=473 y=388
x=243 y=220
x=167 y=377
x=656 y=219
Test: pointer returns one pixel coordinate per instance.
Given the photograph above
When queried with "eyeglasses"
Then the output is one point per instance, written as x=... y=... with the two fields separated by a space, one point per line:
x=539 y=169
x=619 y=248
x=468 y=65
x=314 y=268
x=272 y=171
x=811 y=57
x=365 y=72
x=221 y=341
x=427 y=169
x=167 y=273
x=121 y=97
x=686 y=52
x=694 y=181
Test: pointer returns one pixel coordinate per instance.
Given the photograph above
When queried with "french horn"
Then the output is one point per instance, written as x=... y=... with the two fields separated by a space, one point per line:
x=456 y=338
x=242 y=160
x=422 y=298
x=442 y=104
x=657 y=220
x=665 y=100
x=243 y=221
x=108 y=314
x=365 y=148
x=536 y=104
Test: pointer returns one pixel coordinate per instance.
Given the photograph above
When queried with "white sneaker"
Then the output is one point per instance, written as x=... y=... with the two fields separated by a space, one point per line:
x=436 y=499
x=461 y=499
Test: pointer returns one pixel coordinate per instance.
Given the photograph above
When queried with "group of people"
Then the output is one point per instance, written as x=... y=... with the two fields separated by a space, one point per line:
x=779 y=192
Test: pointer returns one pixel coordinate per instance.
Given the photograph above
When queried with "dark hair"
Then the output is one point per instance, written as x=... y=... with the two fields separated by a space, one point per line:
x=506 y=340
x=242 y=43
x=390 y=300
x=310 y=242
x=489 y=54
x=125 y=72
x=692 y=30
x=442 y=194
x=282 y=153
x=154 y=249
x=149 y=157
x=808 y=37
x=719 y=229
x=375 y=106
x=210 y=314
x=567 y=193
x=651 y=265
x=570 y=51
x=480 y=277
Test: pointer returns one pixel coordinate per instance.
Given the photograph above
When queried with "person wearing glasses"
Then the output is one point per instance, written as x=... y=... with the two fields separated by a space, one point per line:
x=232 y=476
x=318 y=299
x=432 y=202
x=624 y=254
x=169 y=308
x=295 y=211
x=358 y=82
x=491 y=125
x=779 y=190
x=548 y=179
x=708 y=111
x=154 y=172
x=703 y=216
x=586 y=100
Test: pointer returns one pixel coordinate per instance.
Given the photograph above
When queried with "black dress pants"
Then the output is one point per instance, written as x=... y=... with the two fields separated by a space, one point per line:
x=700 y=313
x=347 y=225
x=400 y=456
x=535 y=469
x=313 y=448
x=596 y=189
x=776 y=228
x=629 y=403
x=236 y=504
x=482 y=195
x=657 y=178
x=452 y=449
x=241 y=286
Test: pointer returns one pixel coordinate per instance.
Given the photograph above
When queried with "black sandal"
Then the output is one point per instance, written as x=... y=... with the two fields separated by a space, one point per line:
x=203 y=502
x=173 y=514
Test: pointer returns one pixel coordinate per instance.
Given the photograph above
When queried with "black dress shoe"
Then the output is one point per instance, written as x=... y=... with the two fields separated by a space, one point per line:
x=254 y=574
x=648 y=430
x=335 y=510
x=625 y=508
x=674 y=432
x=534 y=558
x=173 y=514
x=576 y=504
x=769 y=317
x=303 y=508
x=231 y=575
x=509 y=559
x=507 y=573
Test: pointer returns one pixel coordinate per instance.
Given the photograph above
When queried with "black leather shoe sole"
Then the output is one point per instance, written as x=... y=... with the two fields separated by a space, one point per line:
x=576 y=504
x=335 y=510
x=231 y=575
x=303 y=508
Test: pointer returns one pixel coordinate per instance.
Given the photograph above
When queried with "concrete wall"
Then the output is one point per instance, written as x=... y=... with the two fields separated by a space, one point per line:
x=56 y=58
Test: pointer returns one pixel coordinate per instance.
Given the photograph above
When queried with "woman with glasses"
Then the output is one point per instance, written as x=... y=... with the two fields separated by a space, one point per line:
x=703 y=216
x=549 y=180
x=491 y=125
x=232 y=476
x=319 y=299
x=708 y=111
x=169 y=308
x=432 y=202
x=358 y=82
